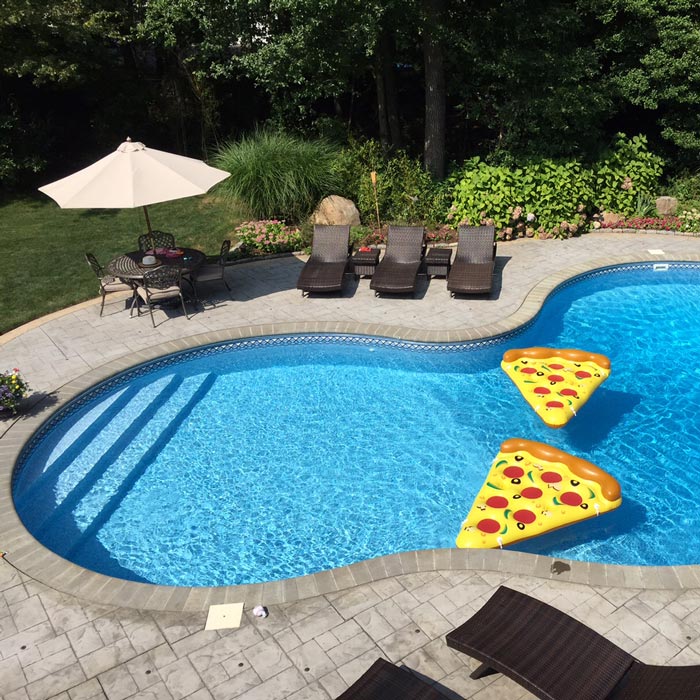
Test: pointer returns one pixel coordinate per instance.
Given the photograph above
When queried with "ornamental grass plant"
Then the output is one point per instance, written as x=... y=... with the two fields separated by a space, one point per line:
x=277 y=175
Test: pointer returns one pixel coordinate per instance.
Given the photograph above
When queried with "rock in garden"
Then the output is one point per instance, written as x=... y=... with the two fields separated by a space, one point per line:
x=610 y=218
x=336 y=210
x=666 y=206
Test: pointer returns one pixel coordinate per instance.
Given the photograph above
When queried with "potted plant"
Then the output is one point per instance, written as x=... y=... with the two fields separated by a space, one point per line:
x=13 y=388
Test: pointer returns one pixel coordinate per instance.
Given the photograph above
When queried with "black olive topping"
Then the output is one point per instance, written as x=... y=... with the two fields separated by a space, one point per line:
x=574 y=482
x=517 y=495
x=521 y=526
x=540 y=374
x=519 y=458
x=515 y=481
x=584 y=506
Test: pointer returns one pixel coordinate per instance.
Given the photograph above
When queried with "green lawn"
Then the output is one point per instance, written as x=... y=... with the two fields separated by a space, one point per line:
x=42 y=264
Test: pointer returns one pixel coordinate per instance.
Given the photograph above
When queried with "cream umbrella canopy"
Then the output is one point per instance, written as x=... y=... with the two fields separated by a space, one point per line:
x=134 y=176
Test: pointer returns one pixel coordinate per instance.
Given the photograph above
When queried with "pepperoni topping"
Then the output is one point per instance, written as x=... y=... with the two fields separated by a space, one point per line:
x=555 y=366
x=497 y=502
x=531 y=492
x=568 y=392
x=528 y=370
x=513 y=472
x=488 y=526
x=555 y=404
x=524 y=516
x=542 y=390
x=581 y=374
x=551 y=477
x=570 y=498
x=555 y=378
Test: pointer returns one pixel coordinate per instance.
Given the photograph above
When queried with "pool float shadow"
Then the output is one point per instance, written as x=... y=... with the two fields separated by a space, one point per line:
x=593 y=533
x=603 y=412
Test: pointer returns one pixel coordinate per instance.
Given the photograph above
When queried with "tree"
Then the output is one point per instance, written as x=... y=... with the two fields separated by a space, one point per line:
x=652 y=60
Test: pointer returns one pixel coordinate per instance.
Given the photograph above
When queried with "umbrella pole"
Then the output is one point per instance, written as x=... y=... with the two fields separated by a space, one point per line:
x=148 y=221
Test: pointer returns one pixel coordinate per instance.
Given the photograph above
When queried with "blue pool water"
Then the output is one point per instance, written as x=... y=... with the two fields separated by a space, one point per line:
x=273 y=458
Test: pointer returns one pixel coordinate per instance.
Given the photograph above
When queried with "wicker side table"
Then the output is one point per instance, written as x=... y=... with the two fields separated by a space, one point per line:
x=437 y=262
x=364 y=262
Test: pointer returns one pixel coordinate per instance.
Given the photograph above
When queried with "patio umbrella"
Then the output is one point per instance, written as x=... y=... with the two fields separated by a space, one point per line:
x=134 y=176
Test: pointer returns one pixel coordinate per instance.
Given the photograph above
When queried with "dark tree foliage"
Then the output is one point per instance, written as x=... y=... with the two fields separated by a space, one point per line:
x=445 y=79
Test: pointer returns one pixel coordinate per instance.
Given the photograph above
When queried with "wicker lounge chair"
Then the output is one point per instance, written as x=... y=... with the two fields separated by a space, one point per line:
x=558 y=658
x=384 y=681
x=472 y=270
x=324 y=270
x=398 y=269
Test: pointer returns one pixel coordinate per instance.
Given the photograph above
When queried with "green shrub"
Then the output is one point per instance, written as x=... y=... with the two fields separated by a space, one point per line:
x=548 y=198
x=543 y=198
x=405 y=192
x=627 y=171
x=276 y=175
x=685 y=187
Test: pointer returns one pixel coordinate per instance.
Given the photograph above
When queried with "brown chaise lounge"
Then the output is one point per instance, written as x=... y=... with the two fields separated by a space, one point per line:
x=558 y=658
x=398 y=269
x=324 y=270
x=384 y=681
x=472 y=270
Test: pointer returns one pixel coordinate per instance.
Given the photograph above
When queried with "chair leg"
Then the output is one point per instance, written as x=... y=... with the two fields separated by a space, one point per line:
x=150 y=310
x=182 y=301
x=483 y=670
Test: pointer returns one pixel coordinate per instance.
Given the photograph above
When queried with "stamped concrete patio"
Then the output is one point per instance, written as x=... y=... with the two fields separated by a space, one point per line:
x=62 y=636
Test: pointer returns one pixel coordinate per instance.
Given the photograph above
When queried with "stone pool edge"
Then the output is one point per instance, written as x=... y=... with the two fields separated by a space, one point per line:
x=31 y=558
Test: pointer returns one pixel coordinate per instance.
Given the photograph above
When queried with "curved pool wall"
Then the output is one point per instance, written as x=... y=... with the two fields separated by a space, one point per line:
x=30 y=557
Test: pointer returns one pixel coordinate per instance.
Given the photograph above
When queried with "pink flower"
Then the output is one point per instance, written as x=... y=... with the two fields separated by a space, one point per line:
x=626 y=183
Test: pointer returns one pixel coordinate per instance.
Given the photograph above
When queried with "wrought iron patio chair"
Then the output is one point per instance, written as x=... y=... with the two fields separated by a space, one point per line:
x=108 y=284
x=159 y=285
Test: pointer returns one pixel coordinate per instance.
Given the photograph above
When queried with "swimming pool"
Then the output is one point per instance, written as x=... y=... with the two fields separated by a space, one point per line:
x=274 y=457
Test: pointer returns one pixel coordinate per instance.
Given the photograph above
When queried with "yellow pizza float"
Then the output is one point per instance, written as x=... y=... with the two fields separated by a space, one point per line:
x=534 y=488
x=556 y=383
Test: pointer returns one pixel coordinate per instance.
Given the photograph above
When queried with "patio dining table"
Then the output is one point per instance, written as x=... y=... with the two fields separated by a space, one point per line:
x=130 y=265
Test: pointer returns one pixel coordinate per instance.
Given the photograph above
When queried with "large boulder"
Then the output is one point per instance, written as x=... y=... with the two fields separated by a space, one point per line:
x=335 y=210
x=666 y=206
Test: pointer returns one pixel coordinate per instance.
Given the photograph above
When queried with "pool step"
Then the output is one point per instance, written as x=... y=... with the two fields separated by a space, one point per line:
x=88 y=537
x=59 y=528
x=48 y=480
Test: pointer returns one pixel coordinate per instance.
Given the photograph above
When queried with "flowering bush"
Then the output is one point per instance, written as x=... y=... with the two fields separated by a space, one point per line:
x=653 y=223
x=13 y=388
x=269 y=236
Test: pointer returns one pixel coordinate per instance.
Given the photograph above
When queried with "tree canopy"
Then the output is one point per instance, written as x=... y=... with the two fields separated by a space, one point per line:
x=446 y=79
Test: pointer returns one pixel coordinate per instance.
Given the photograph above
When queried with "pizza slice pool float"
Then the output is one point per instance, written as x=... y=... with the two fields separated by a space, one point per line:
x=533 y=488
x=556 y=383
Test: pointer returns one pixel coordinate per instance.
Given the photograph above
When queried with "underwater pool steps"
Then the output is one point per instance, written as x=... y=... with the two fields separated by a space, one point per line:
x=49 y=479
x=50 y=531
x=141 y=466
